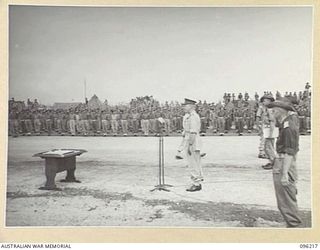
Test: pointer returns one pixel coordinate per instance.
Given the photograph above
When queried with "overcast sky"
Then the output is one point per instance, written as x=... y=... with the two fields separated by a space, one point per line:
x=170 y=53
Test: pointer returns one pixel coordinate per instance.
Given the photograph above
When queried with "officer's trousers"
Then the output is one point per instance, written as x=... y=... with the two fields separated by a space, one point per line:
x=79 y=126
x=11 y=127
x=286 y=195
x=302 y=123
x=86 y=126
x=72 y=127
x=135 y=125
x=153 y=125
x=104 y=126
x=227 y=123
x=194 y=164
x=167 y=126
x=124 y=126
x=145 y=126
x=214 y=124
x=308 y=123
x=94 y=124
x=28 y=125
x=49 y=125
x=59 y=125
x=240 y=124
x=221 y=124
x=99 y=124
x=250 y=123
x=114 y=126
x=262 y=141
x=203 y=124
x=37 y=125
x=64 y=125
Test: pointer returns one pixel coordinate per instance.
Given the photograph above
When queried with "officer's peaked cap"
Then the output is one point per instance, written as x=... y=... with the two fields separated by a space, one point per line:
x=189 y=101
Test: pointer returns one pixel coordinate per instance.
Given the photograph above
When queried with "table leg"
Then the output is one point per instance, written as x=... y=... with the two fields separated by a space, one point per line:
x=71 y=168
x=50 y=172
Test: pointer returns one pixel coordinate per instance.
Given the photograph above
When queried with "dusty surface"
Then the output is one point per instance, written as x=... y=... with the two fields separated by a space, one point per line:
x=117 y=175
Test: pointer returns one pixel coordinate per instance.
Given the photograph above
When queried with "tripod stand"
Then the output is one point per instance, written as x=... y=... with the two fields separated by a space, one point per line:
x=161 y=186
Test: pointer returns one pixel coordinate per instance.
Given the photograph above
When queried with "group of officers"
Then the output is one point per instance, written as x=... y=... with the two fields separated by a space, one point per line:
x=279 y=122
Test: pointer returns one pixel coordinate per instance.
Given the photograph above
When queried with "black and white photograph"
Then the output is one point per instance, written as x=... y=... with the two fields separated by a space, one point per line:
x=154 y=116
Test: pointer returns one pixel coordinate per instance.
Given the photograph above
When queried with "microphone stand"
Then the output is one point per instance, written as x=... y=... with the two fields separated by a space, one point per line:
x=161 y=185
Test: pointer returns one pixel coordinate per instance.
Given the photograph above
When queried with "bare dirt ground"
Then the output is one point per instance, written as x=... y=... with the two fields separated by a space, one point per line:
x=117 y=174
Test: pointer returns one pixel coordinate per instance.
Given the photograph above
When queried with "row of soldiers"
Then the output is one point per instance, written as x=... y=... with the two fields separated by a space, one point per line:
x=87 y=122
x=84 y=122
x=141 y=116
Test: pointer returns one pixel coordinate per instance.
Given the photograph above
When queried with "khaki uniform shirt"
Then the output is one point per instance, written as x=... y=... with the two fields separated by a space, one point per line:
x=192 y=124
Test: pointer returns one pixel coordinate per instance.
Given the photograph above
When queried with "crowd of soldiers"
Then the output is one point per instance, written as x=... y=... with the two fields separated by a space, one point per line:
x=141 y=117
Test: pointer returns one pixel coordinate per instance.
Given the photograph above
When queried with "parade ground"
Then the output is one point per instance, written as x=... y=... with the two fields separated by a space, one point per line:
x=117 y=174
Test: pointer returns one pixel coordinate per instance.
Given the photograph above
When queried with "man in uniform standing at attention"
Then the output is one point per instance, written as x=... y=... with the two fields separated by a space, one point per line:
x=285 y=167
x=191 y=126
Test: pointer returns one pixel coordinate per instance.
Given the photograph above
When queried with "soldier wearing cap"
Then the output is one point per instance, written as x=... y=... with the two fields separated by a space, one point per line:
x=285 y=168
x=191 y=126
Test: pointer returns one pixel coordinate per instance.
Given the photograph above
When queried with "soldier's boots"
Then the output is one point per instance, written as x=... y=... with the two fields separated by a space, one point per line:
x=194 y=188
